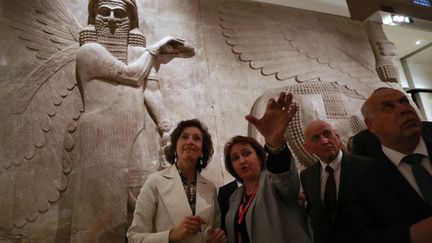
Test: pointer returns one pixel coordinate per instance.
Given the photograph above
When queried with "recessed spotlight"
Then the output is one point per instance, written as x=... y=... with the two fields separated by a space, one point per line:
x=418 y=42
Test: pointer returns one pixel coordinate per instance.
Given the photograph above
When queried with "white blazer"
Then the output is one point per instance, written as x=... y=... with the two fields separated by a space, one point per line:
x=162 y=204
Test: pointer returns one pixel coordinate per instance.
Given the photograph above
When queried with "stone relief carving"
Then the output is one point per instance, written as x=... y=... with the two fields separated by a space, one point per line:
x=311 y=48
x=33 y=129
x=47 y=125
x=385 y=52
x=76 y=123
x=323 y=59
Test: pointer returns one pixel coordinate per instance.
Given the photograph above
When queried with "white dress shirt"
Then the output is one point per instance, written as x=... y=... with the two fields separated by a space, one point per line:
x=404 y=168
x=336 y=166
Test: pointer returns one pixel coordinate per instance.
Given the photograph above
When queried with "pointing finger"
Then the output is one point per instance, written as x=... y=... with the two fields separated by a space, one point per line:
x=271 y=103
x=252 y=119
x=287 y=101
x=281 y=99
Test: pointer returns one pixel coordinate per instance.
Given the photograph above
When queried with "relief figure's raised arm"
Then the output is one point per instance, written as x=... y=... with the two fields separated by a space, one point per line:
x=96 y=62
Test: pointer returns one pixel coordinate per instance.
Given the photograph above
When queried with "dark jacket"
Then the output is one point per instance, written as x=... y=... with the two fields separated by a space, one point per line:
x=336 y=227
x=224 y=195
x=384 y=203
x=365 y=143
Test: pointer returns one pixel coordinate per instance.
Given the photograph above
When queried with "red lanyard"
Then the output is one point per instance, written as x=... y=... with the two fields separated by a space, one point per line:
x=242 y=209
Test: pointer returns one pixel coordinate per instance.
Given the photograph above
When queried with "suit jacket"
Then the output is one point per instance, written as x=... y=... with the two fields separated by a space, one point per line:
x=384 y=203
x=331 y=227
x=274 y=214
x=365 y=143
x=162 y=205
x=224 y=195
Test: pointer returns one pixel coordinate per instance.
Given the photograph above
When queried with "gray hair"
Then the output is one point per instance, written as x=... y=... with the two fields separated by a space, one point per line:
x=365 y=107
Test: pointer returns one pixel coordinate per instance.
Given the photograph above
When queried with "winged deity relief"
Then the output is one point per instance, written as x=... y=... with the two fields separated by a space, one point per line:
x=76 y=121
x=325 y=61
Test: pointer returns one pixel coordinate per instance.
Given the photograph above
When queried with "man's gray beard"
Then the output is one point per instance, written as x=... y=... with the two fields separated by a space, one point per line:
x=117 y=43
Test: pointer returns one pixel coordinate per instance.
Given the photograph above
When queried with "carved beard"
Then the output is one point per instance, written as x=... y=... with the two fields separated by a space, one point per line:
x=116 y=43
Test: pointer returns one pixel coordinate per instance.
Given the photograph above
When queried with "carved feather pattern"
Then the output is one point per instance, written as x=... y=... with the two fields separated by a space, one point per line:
x=45 y=108
x=47 y=25
x=296 y=44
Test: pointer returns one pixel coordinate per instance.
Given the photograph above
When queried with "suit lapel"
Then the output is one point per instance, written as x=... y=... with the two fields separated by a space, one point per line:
x=346 y=173
x=174 y=196
x=396 y=182
x=249 y=213
x=204 y=198
x=427 y=137
x=234 y=204
x=316 y=183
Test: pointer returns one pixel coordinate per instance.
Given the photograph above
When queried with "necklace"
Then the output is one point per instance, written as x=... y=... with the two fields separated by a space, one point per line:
x=190 y=189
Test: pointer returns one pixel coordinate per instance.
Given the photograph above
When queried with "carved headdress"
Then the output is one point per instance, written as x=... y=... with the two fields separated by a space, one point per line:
x=131 y=9
x=115 y=38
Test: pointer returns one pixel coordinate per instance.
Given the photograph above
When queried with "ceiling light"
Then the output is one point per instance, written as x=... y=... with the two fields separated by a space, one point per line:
x=401 y=19
x=418 y=42
x=386 y=19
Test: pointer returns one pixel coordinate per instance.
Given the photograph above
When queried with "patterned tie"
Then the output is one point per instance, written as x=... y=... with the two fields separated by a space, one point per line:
x=422 y=177
x=330 y=191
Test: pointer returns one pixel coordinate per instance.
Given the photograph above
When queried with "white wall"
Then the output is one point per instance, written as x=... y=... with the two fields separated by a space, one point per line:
x=426 y=105
x=421 y=74
x=420 y=69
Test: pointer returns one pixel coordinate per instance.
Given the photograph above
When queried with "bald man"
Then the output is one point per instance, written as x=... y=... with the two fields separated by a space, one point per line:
x=392 y=197
x=327 y=184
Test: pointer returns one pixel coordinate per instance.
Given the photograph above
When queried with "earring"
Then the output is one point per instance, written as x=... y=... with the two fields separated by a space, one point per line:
x=201 y=160
x=175 y=157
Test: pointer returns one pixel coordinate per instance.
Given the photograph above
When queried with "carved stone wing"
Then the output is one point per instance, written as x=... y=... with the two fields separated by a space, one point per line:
x=300 y=45
x=48 y=26
x=44 y=110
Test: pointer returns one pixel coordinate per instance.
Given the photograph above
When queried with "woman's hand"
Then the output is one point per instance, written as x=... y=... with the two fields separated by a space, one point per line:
x=216 y=236
x=190 y=225
x=275 y=120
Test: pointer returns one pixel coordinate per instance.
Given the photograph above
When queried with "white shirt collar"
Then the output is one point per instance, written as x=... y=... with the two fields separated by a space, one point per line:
x=335 y=164
x=396 y=157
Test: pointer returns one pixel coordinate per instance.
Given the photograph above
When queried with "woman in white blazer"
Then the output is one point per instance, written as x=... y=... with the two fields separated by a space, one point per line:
x=177 y=204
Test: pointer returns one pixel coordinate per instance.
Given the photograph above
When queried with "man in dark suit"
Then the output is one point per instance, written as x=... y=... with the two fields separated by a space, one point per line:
x=327 y=184
x=392 y=198
x=365 y=143
x=224 y=195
